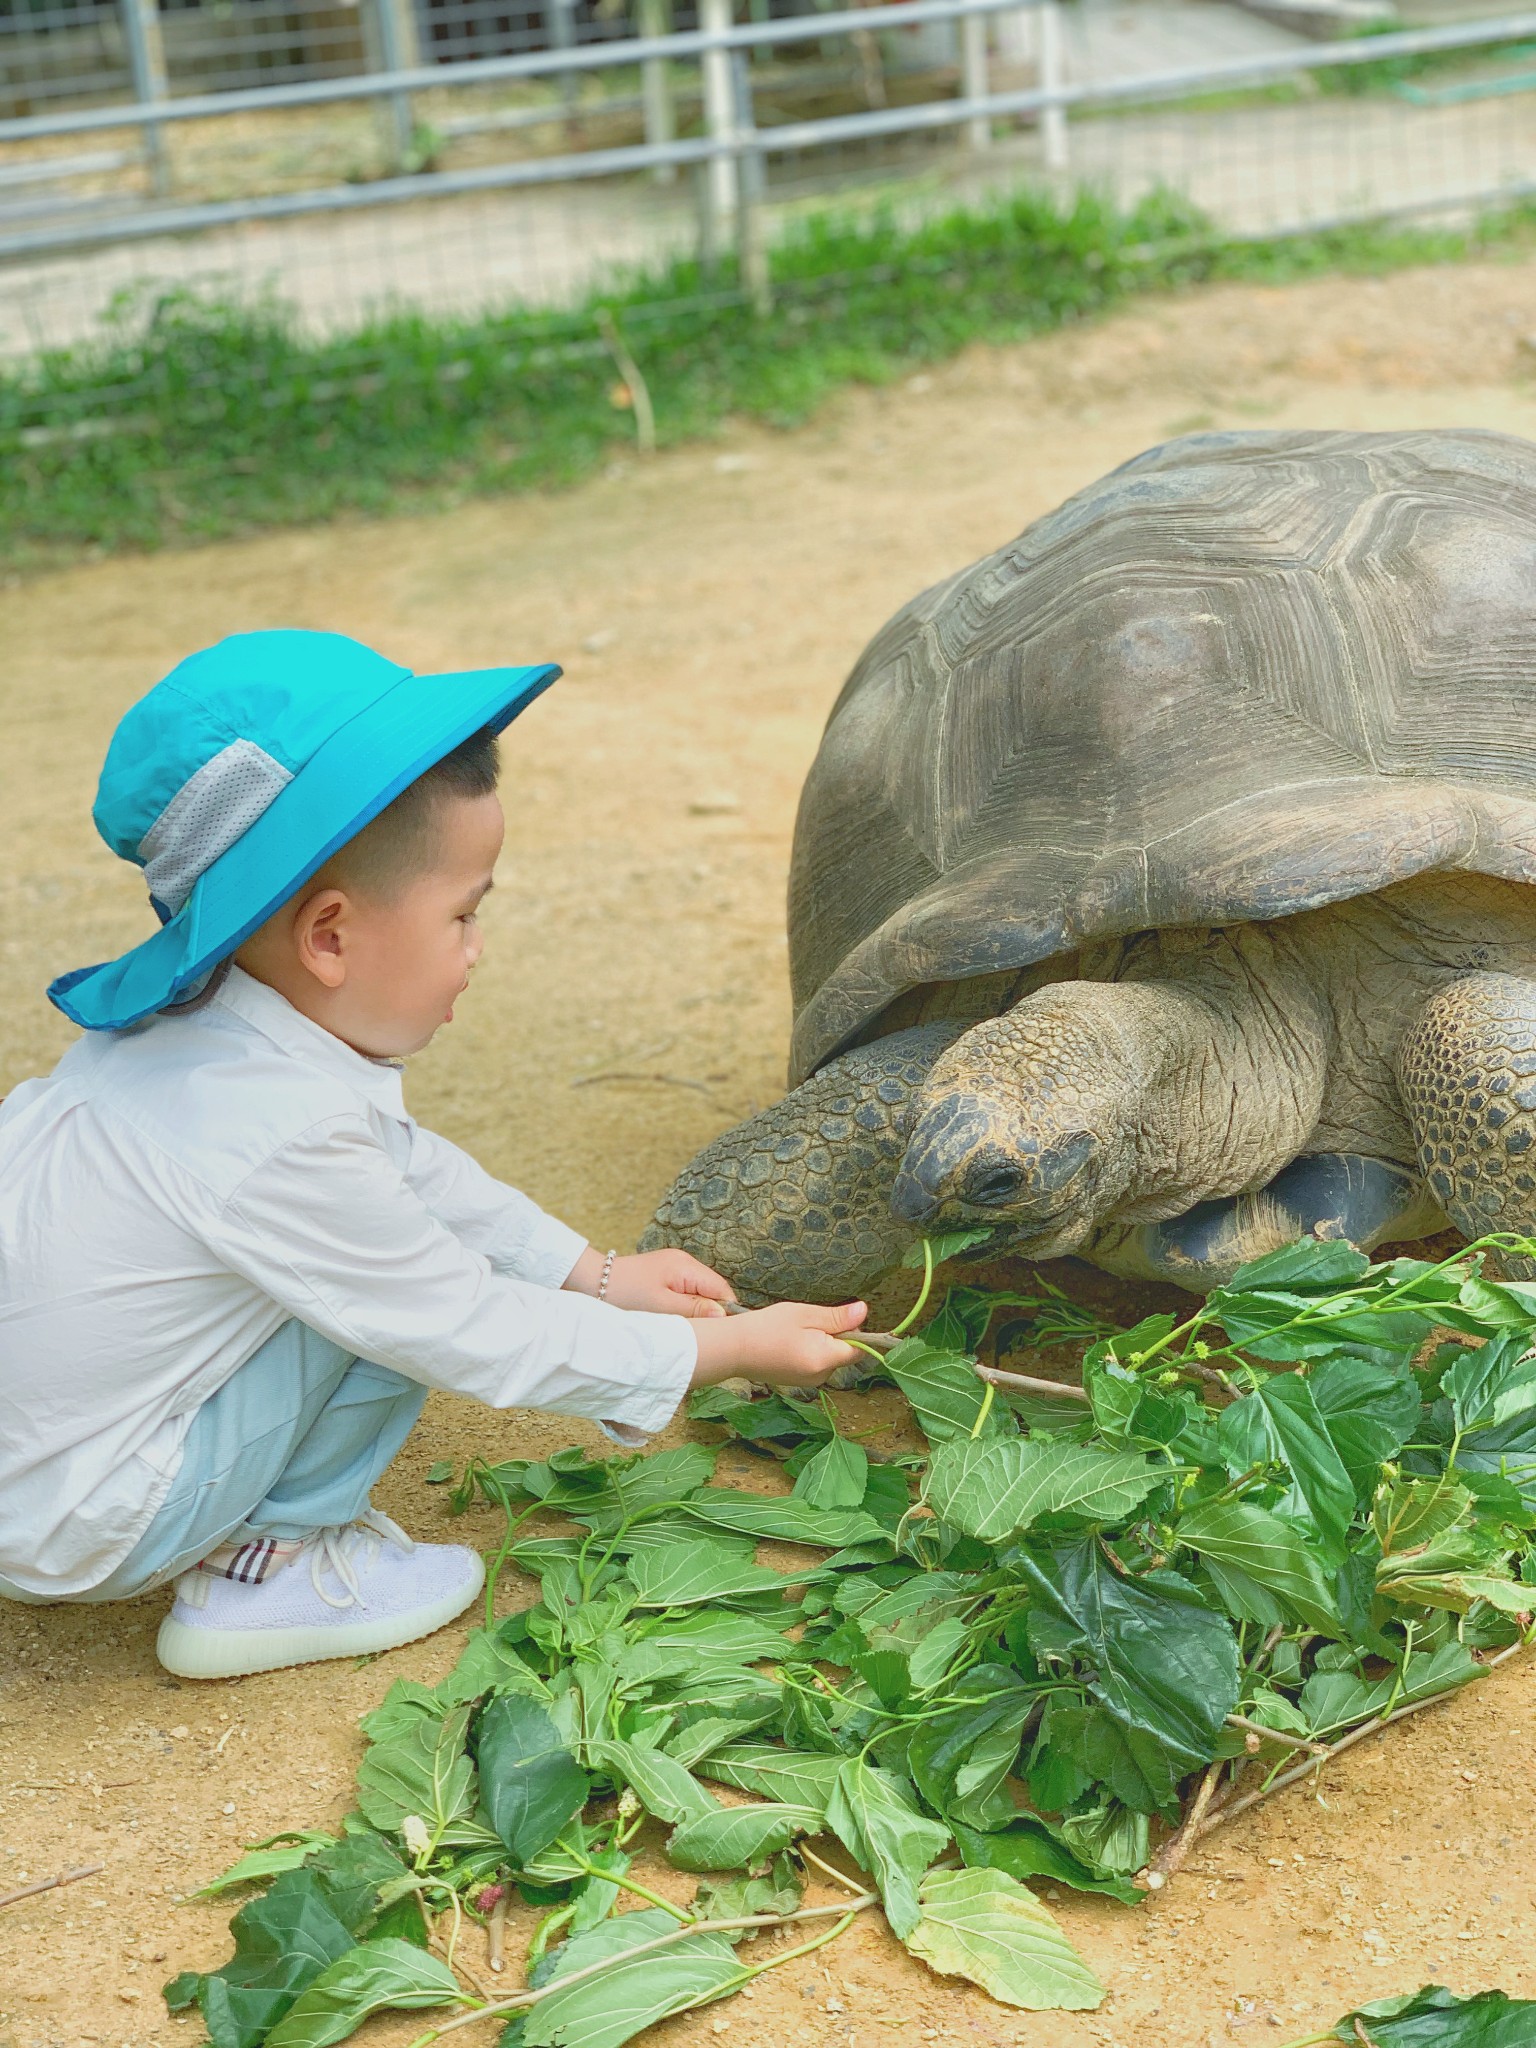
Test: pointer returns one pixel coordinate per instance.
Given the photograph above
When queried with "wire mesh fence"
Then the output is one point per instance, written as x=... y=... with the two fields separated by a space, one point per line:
x=332 y=169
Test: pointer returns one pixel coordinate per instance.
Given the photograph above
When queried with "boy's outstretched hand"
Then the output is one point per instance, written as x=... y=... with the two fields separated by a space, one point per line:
x=792 y=1344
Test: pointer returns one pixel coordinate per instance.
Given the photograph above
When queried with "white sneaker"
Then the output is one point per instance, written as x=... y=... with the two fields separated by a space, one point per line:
x=344 y=1592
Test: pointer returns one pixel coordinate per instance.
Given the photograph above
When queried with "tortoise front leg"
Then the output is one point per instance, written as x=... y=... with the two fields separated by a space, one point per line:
x=1467 y=1070
x=794 y=1204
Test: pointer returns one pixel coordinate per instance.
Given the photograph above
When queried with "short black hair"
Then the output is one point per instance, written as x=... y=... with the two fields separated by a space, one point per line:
x=401 y=841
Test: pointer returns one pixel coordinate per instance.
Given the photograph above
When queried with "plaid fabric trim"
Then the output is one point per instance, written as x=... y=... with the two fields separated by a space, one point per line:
x=249 y=1563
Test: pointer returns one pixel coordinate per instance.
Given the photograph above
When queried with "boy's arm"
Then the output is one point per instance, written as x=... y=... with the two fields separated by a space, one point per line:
x=330 y=1230
x=500 y=1222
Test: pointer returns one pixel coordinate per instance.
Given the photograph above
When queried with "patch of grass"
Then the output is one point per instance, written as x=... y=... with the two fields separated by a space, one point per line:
x=195 y=417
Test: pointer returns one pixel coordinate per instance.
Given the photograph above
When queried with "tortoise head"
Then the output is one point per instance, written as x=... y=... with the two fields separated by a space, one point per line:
x=1028 y=1122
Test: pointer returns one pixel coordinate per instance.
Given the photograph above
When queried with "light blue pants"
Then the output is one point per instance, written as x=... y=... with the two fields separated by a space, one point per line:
x=290 y=1443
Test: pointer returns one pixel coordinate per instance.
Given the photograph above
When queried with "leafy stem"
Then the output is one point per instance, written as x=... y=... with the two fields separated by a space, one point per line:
x=625 y=1884
x=900 y=1329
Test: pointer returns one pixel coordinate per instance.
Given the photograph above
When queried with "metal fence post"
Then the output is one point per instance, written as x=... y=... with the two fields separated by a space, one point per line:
x=146 y=63
x=1052 y=73
x=973 y=76
x=392 y=44
x=719 y=120
x=752 y=249
x=654 y=18
x=562 y=35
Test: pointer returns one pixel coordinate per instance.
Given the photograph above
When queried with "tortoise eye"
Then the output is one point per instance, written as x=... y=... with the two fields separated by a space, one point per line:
x=994 y=1186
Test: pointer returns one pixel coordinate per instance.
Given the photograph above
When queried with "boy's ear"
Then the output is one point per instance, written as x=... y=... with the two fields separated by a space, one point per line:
x=320 y=936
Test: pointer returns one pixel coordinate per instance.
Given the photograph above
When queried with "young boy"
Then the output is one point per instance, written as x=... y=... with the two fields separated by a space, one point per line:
x=230 y=1264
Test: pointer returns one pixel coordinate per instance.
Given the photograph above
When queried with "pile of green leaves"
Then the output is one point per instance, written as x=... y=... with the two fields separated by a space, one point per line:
x=1435 y=2018
x=1300 y=1511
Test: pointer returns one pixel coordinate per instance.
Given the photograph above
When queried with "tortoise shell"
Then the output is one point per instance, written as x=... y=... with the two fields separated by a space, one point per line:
x=1245 y=675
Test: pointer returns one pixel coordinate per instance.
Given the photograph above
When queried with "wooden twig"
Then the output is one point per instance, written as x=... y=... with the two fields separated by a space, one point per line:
x=1294 y=1776
x=1170 y=1858
x=877 y=1340
x=629 y=370
x=1267 y=1647
x=667 y=1080
x=1276 y=1735
x=1050 y=1390
x=496 y=1936
x=51 y=1884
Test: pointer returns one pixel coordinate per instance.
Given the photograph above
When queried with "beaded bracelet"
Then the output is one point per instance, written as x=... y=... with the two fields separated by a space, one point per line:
x=602 y=1285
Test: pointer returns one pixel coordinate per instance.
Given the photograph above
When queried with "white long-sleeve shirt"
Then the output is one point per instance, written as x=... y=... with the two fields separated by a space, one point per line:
x=171 y=1195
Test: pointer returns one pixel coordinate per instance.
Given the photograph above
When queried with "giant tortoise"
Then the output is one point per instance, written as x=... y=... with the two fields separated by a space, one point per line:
x=1163 y=886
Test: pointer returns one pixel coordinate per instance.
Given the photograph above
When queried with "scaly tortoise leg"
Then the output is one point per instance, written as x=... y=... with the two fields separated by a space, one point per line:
x=794 y=1204
x=1467 y=1071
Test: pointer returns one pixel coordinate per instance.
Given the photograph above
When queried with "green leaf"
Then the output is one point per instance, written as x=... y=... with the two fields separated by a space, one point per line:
x=835 y=1476
x=874 y=1815
x=355 y=1872
x=1310 y=1266
x=983 y=1925
x=1458 y=1592
x=1369 y=1411
x=440 y=1471
x=779 y=1891
x=422 y=1771
x=994 y=1488
x=1267 y=1550
x=531 y=1784
x=488 y=1664
x=781 y=1518
x=945 y=1394
x=1436 y=2018
x=661 y=1477
x=283 y=1941
x=266 y=1859
x=947 y=1246
x=698 y=1647
x=1111 y=1839
x=381 y=1976
x=1280 y=1423
x=935 y=1653
x=1413 y=1512
x=685 y=1574
x=1160 y=1661
x=664 y=1788
x=739 y=1837
x=1493 y=1384
x=610 y=2008
x=1027 y=1848
x=797 y=1777
x=1335 y=1700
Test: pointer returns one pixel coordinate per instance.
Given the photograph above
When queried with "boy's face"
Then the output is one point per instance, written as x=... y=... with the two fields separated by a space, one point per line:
x=413 y=947
x=382 y=967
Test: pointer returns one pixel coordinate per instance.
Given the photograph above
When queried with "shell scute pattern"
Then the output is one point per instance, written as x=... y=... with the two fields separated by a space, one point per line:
x=1212 y=687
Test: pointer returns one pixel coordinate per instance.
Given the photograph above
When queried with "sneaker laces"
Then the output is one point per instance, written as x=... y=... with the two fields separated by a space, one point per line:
x=342 y=1546
x=339 y=1549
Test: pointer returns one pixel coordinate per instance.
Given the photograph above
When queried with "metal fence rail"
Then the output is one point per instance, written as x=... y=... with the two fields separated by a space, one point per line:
x=524 y=176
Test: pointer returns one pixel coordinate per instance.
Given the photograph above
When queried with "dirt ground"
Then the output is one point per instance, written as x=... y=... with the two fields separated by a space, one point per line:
x=632 y=1002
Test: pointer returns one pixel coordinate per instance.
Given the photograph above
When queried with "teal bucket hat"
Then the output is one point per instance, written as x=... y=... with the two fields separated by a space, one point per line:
x=239 y=776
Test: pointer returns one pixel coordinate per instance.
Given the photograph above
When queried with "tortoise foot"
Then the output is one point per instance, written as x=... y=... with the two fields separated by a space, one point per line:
x=1467 y=1069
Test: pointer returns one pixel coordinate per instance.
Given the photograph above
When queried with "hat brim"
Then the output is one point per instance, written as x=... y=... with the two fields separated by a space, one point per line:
x=348 y=780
